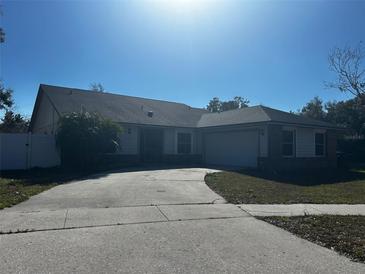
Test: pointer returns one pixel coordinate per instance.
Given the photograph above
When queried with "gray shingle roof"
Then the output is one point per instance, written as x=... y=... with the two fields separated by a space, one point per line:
x=121 y=108
x=129 y=109
x=233 y=117
x=257 y=114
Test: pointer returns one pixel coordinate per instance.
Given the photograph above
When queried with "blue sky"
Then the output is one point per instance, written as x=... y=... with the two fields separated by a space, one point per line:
x=273 y=53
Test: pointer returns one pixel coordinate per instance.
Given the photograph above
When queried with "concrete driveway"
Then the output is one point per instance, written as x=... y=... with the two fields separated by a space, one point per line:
x=161 y=221
x=128 y=188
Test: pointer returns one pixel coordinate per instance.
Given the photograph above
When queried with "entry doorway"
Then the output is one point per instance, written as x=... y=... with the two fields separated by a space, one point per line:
x=151 y=145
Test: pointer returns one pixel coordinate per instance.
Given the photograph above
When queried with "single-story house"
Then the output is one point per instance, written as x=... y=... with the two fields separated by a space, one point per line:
x=162 y=131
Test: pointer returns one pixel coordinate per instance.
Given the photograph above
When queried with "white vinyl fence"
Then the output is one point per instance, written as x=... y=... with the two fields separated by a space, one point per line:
x=24 y=151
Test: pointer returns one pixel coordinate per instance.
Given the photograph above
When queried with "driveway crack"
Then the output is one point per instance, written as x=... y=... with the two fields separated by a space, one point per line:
x=64 y=223
x=159 y=209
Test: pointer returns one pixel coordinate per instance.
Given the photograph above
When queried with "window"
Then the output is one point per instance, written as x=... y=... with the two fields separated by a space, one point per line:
x=129 y=130
x=319 y=141
x=288 y=144
x=183 y=143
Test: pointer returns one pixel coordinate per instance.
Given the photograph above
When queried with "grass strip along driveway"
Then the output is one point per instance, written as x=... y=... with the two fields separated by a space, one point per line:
x=315 y=186
x=18 y=186
x=344 y=234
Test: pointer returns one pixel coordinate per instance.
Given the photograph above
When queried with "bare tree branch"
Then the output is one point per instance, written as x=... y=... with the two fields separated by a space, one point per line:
x=96 y=87
x=347 y=63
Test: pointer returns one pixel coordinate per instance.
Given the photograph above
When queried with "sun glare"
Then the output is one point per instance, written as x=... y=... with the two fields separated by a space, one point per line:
x=185 y=5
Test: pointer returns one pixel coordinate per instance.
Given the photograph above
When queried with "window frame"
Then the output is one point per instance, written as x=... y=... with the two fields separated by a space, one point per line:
x=184 y=143
x=293 y=143
x=323 y=145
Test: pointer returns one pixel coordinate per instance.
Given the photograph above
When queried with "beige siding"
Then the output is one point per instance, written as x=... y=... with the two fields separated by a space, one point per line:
x=263 y=142
x=305 y=141
x=46 y=118
x=198 y=142
x=169 y=141
x=193 y=139
x=129 y=140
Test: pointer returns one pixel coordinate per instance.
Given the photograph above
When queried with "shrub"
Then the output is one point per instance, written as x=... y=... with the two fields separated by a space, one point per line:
x=84 y=137
x=352 y=150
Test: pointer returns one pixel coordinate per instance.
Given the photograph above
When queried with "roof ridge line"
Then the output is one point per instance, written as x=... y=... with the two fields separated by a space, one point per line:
x=262 y=108
x=116 y=94
x=231 y=110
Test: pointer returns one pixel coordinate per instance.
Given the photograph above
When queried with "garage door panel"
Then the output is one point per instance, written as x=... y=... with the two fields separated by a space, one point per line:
x=239 y=148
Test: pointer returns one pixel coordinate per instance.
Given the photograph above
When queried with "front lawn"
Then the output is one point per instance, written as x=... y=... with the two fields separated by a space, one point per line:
x=322 y=187
x=18 y=186
x=344 y=234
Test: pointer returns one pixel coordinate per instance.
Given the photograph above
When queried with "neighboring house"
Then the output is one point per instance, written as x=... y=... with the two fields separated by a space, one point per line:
x=161 y=131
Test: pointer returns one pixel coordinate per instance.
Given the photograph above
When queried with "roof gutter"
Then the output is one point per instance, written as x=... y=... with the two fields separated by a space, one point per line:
x=274 y=123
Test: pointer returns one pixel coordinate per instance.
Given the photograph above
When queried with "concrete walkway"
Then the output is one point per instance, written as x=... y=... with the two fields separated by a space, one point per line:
x=23 y=222
x=224 y=245
x=302 y=209
x=18 y=221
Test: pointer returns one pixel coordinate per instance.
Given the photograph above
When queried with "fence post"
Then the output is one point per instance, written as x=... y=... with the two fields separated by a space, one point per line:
x=29 y=151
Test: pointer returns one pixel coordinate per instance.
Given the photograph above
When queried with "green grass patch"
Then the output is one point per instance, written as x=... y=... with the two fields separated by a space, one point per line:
x=344 y=234
x=18 y=186
x=13 y=192
x=315 y=186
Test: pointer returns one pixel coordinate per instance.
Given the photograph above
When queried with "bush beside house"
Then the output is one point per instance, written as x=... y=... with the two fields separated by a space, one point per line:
x=83 y=138
x=352 y=151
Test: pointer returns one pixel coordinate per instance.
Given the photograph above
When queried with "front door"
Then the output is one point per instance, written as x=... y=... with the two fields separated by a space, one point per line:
x=151 y=144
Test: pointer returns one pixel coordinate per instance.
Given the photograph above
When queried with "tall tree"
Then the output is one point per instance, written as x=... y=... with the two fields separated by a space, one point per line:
x=6 y=97
x=2 y=32
x=241 y=102
x=96 y=87
x=2 y=35
x=347 y=64
x=314 y=109
x=13 y=123
x=228 y=105
x=349 y=114
x=6 y=100
x=215 y=105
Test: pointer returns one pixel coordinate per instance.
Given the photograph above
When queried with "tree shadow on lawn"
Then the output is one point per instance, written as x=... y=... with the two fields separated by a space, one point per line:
x=309 y=177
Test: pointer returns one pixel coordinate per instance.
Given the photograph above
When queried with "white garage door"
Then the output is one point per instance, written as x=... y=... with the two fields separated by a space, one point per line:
x=238 y=148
